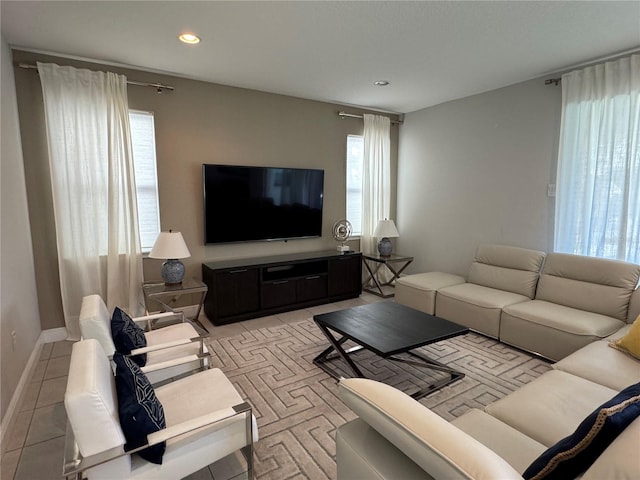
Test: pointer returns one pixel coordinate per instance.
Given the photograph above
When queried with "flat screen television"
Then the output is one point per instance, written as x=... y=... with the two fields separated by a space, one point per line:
x=245 y=204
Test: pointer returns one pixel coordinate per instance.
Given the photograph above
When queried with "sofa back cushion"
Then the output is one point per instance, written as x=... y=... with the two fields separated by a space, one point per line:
x=507 y=268
x=95 y=322
x=593 y=284
x=90 y=399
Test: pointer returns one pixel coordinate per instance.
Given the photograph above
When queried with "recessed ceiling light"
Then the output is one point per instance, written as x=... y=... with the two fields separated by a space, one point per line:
x=189 y=38
x=381 y=83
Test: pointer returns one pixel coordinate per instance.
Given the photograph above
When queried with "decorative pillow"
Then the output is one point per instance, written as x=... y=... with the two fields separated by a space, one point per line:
x=127 y=335
x=574 y=454
x=630 y=343
x=140 y=411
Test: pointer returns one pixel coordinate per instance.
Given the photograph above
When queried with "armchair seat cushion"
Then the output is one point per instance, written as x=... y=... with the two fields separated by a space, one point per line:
x=215 y=391
x=168 y=334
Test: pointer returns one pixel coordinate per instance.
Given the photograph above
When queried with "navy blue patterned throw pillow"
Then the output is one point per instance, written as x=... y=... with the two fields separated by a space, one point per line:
x=127 y=335
x=140 y=411
x=574 y=454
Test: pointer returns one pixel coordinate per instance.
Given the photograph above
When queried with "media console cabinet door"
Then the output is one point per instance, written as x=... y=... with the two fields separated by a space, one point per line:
x=237 y=291
x=345 y=275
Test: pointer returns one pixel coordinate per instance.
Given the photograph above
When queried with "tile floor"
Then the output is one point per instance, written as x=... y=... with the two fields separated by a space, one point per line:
x=33 y=449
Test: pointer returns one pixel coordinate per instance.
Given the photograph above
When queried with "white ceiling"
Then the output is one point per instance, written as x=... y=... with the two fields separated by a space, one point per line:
x=430 y=51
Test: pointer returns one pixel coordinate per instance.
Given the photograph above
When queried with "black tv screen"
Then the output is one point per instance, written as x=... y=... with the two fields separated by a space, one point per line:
x=244 y=204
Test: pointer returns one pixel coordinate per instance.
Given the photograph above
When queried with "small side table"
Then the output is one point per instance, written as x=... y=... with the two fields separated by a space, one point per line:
x=167 y=296
x=392 y=263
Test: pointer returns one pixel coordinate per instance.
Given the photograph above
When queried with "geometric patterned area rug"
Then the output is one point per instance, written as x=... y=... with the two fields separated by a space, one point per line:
x=297 y=405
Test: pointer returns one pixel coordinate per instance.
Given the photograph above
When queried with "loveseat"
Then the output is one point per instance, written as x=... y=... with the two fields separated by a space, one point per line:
x=550 y=304
x=396 y=437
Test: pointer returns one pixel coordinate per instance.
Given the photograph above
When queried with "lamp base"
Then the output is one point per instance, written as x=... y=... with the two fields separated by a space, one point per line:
x=385 y=247
x=172 y=272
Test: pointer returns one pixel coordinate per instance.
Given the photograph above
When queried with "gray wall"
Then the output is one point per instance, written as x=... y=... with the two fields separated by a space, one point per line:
x=18 y=284
x=197 y=123
x=476 y=170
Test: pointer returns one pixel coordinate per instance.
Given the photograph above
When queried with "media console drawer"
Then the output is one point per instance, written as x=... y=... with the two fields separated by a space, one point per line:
x=277 y=293
x=248 y=288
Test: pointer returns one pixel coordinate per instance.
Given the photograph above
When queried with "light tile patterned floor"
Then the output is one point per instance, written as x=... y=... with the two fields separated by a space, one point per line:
x=34 y=447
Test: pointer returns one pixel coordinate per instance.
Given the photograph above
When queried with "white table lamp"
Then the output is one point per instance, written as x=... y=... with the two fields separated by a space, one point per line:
x=385 y=230
x=171 y=246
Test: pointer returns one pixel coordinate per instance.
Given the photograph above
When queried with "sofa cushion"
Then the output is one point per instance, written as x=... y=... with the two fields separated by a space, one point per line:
x=511 y=269
x=603 y=365
x=572 y=455
x=553 y=331
x=515 y=447
x=550 y=407
x=630 y=342
x=587 y=283
x=475 y=306
x=362 y=453
x=139 y=409
x=419 y=290
x=441 y=449
x=565 y=319
x=127 y=335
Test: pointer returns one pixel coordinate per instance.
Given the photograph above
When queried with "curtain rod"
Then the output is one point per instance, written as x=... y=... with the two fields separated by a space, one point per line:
x=589 y=63
x=351 y=115
x=158 y=86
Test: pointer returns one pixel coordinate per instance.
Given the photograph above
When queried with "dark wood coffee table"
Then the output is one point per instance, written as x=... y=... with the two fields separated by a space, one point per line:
x=386 y=329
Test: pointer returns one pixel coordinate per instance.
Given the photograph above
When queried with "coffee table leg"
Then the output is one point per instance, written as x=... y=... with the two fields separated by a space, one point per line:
x=426 y=362
x=336 y=344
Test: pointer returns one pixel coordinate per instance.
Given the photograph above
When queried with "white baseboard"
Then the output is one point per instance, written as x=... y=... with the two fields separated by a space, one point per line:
x=46 y=336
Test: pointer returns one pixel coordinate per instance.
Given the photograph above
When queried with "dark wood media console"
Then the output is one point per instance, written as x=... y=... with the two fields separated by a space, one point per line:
x=253 y=287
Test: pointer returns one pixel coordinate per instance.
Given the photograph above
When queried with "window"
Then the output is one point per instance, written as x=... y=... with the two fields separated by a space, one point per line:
x=598 y=185
x=144 y=158
x=355 y=149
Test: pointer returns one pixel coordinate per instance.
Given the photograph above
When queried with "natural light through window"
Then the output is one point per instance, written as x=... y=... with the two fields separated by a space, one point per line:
x=355 y=149
x=144 y=157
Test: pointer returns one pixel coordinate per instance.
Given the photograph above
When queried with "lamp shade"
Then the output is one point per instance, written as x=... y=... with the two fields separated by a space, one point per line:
x=386 y=229
x=169 y=245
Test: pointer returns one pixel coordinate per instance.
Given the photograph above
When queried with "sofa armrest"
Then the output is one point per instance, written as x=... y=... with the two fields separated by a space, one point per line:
x=439 y=448
x=147 y=322
x=172 y=344
x=204 y=360
x=74 y=463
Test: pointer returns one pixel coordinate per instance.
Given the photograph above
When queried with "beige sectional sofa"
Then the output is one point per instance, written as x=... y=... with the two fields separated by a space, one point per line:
x=396 y=437
x=550 y=304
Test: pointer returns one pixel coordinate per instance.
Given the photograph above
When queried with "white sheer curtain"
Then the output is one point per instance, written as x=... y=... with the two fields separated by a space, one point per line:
x=598 y=185
x=376 y=181
x=93 y=184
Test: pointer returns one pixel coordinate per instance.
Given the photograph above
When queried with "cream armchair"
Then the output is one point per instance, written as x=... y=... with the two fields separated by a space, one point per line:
x=206 y=420
x=172 y=350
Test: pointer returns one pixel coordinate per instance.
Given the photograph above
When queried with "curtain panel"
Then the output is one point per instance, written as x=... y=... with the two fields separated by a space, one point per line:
x=376 y=177
x=598 y=184
x=93 y=185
